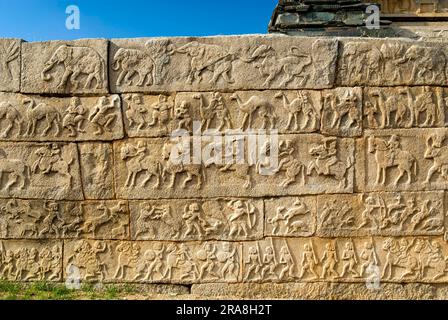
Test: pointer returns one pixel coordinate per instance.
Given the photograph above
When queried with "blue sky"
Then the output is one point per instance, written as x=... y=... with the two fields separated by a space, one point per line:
x=37 y=20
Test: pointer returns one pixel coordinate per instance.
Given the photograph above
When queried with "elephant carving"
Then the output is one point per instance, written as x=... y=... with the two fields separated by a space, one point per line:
x=76 y=61
x=133 y=63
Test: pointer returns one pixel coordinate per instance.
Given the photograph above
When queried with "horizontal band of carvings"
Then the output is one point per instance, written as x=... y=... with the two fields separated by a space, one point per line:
x=233 y=219
x=401 y=260
x=217 y=63
x=334 y=112
x=36 y=118
x=143 y=173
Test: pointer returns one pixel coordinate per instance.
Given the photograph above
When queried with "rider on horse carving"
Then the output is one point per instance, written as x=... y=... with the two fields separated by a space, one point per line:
x=393 y=146
x=331 y=154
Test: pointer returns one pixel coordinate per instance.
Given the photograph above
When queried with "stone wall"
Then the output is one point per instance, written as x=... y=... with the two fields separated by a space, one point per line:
x=86 y=185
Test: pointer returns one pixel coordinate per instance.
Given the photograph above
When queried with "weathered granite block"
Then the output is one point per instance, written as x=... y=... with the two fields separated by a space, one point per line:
x=213 y=63
x=37 y=118
x=31 y=260
x=213 y=219
x=97 y=170
x=405 y=107
x=40 y=171
x=382 y=213
x=154 y=262
x=391 y=62
x=10 y=56
x=145 y=170
x=46 y=219
x=65 y=67
x=401 y=160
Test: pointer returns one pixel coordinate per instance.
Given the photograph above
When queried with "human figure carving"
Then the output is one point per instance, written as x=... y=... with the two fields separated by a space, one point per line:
x=389 y=154
x=137 y=160
x=74 y=118
x=103 y=115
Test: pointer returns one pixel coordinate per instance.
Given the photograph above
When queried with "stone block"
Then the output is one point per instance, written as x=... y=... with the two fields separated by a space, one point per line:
x=65 y=67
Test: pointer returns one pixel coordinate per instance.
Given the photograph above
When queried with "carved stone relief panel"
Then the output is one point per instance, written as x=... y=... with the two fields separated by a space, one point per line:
x=30 y=260
x=405 y=107
x=391 y=63
x=213 y=219
x=48 y=219
x=37 y=118
x=154 y=262
x=290 y=216
x=241 y=62
x=40 y=171
x=342 y=112
x=97 y=170
x=382 y=213
x=402 y=159
x=10 y=56
x=63 y=67
x=308 y=164
x=401 y=260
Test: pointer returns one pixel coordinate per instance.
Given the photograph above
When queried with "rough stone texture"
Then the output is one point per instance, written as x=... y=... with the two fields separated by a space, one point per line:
x=88 y=190
x=10 y=57
x=97 y=170
x=65 y=67
x=321 y=291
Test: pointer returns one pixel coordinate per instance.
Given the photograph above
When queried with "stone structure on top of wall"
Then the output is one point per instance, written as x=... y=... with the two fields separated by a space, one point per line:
x=359 y=196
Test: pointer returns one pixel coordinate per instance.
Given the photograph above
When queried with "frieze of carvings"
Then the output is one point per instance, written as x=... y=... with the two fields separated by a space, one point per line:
x=154 y=262
x=305 y=161
x=35 y=118
x=391 y=63
x=405 y=107
x=39 y=171
x=48 y=219
x=403 y=160
x=10 y=51
x=214 y=219
x=176 y=64
x=30 y=261
x=384 y=259
x=381 y=213
x=431 y=8
x=78 y=67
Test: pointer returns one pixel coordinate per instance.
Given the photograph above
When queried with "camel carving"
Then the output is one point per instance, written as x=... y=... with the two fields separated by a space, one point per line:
x=255 y=104
x=42 y=111
x=12 y=118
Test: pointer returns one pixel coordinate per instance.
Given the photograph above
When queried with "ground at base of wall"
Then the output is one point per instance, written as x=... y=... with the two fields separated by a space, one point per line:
x=297 y=291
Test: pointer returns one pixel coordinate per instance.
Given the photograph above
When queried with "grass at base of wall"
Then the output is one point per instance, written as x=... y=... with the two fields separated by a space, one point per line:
x=57 y=291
